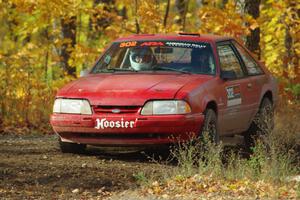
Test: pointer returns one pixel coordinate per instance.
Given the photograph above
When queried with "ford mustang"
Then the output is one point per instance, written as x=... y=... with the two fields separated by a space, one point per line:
x=158 y=89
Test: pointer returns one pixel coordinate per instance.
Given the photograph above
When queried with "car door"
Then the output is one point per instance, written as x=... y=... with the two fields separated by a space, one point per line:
x=233 y=115
x=256 y=78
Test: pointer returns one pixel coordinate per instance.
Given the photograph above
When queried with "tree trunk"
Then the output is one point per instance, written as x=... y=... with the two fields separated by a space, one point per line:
x=123 y=13
x=137 y=25
x=252 y=40
x=182 y=7
x=166 y=14
x=69 y=35
x=46 y=36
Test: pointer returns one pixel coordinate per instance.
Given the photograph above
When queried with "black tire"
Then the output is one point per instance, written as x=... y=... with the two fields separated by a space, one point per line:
x=210 y=127
x=67 y=147
x=262 y=124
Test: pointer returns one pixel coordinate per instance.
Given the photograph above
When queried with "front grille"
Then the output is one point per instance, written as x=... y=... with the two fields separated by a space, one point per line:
x=116 y=109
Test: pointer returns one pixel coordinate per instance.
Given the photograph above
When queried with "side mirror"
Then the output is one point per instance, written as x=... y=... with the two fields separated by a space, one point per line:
x=228 y=75
x=84 y=72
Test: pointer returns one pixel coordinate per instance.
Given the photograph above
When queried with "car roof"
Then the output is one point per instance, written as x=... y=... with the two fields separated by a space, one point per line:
x=193 y=37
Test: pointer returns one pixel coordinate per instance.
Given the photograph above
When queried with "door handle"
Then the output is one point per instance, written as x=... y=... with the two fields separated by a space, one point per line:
x=249 y=85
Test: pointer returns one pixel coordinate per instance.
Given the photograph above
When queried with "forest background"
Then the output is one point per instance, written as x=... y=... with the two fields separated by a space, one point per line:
x=45 y=44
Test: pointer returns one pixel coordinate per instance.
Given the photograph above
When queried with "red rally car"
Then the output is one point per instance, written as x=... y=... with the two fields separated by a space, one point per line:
x=153 y=89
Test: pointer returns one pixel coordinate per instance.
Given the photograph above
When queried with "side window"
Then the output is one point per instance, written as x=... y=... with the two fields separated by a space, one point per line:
x=252 y=67
x=229 y=61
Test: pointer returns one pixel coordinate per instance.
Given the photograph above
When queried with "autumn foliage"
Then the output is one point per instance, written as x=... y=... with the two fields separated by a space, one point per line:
x=45 y=44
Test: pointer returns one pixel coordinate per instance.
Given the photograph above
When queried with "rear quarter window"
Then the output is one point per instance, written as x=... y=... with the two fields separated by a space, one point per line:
x=252 y=67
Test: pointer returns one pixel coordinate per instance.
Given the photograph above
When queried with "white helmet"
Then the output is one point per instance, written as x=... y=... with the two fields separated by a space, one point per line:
x=141 y=58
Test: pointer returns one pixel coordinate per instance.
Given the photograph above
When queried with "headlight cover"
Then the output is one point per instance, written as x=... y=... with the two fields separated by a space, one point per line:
x=166 y=107
x=72 y=106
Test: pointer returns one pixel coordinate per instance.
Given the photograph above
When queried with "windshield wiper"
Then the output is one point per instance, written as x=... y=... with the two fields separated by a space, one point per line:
x=170 y=69
x=115 y=70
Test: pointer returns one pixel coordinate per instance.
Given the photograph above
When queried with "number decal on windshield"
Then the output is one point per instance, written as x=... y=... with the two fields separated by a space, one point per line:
x=128 y=44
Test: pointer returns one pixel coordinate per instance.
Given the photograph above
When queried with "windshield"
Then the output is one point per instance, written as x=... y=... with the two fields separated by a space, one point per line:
x=136 y=56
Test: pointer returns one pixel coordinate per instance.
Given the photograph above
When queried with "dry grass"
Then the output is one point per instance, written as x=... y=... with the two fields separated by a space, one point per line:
x=205 y=169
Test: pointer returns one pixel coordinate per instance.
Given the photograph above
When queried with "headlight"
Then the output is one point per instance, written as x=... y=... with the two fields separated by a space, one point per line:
x=166 y=107
x=72 y=106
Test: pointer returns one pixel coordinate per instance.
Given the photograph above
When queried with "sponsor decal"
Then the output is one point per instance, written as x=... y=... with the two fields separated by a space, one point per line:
x=152 y=44
x=233 y=95
x=185 y=45
x=107 y=59
x=104 y=123
x=158 y=43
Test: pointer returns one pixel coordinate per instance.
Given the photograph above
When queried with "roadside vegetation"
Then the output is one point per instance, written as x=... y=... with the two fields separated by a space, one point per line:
x=208 y=170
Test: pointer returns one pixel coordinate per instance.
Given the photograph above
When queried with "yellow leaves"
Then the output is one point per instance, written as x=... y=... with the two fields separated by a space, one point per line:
x=156 y=187
x=82 y=56
x=24 y=6
x=224 y=22
x=254 y=25
x=206 y=186
x=31 y=46
x=113 y=32
x=149 y=16
x=268 y=38
x=179 y=178
x=189 y=15
x=273 y=31
x=297 y=49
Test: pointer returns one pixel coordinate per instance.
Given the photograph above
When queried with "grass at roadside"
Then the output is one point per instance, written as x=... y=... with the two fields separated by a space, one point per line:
x=267 y=174
x=207 y=170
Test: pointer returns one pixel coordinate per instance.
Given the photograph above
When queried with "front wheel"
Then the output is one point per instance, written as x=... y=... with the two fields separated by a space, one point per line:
x=209 y=130
x=67 y=147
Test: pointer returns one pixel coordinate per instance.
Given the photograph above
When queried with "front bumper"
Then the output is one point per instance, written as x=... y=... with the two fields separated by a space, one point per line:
x=147 y=130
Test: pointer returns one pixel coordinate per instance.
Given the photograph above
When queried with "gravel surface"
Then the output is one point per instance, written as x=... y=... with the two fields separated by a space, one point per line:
x=32 y=167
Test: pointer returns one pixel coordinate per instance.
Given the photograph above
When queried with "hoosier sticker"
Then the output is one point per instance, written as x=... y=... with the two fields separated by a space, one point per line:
x=103 y=123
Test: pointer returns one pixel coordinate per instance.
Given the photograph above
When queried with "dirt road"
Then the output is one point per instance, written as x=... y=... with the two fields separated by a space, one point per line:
x=32 y=167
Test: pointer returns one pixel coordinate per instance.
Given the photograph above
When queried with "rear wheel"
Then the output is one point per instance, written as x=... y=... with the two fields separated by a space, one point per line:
x=262 y=124
x=67 y=147
x=209 y=130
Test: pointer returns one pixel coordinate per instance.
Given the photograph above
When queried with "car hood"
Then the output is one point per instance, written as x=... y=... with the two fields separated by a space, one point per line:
x=127 y=89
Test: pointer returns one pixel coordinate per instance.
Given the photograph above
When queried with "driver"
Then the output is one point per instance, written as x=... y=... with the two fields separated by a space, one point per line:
x=141 y=58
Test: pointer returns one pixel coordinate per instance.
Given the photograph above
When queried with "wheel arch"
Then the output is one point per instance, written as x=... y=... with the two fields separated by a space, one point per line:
x=268 y=94
x=212 y=105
